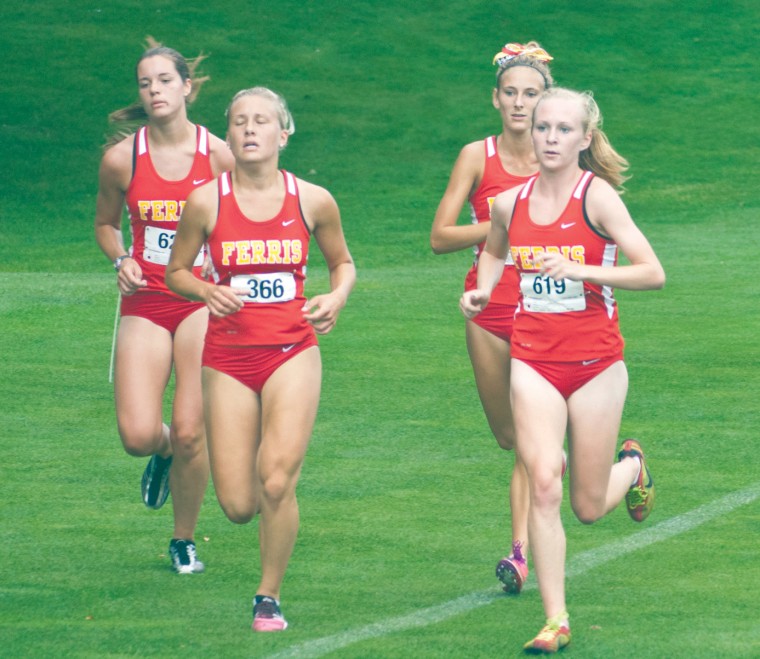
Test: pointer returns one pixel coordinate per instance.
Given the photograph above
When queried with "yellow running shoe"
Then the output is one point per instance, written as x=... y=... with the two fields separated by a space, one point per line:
x=553 y=637
x=640 y=497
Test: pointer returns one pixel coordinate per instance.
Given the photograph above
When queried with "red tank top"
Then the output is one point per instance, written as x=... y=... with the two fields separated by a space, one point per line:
x=155 y=205
x=269 y=258
x=562 y=321
x=496 y=179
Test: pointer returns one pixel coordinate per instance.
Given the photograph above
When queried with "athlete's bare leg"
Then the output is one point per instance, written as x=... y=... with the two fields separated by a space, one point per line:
x=257 y=447
x=592 y=417
x=491 y=363
x=541 y=421
x=598 y=483
x=143 y=367
x=189 y=472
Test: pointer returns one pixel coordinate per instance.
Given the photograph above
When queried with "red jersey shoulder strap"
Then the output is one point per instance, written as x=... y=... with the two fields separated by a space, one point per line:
x=139 y=147
x=202 y=147
x=225 y=186
x=580 y=188
x=141 y=141
x=490 y=143
x=290 y=184
x=525 y=192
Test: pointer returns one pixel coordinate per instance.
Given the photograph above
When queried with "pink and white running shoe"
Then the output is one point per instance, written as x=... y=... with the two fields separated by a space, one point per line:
x=512 y=570
x=267 y=616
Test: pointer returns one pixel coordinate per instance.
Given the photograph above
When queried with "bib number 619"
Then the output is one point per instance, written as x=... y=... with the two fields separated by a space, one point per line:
x=547 y=286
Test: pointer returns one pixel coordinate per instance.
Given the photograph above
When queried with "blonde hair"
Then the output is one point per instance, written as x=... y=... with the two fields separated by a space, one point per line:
x=284 y=117
x=131 y=116
x=530 y=54
x=600 y=157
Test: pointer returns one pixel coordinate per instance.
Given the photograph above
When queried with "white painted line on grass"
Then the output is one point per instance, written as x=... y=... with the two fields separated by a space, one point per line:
x=577 y=565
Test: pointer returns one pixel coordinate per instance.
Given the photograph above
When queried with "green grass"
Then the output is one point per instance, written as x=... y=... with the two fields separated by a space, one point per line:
x=403 y=495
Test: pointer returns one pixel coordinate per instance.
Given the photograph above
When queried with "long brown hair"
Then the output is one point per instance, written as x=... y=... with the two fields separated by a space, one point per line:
x=128 y=118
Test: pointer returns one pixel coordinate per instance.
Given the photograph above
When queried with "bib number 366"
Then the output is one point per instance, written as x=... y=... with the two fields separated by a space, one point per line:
x=266 y=288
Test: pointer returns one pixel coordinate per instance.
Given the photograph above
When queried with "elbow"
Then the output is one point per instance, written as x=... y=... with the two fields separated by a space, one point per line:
x=169 y=280
x=652 y=278
x=435 y=244
x=659 y=281
x=439 y=244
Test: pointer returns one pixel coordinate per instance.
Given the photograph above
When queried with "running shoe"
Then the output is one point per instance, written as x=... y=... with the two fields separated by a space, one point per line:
x=155 y=482
x=183 y=556
x=512 y=570
x=267 y=616
x=554 y=636
x=640 y=497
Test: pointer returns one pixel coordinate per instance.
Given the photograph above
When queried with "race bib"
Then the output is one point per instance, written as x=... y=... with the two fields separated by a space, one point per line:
x=266 y=288
x=541 y=294
x=158 y=246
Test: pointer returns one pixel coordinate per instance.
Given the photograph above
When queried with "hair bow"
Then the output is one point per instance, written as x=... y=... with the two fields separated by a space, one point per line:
x=512 y=50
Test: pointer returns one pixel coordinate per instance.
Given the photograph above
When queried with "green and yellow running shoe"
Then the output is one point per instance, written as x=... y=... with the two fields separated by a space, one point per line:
x=640 y=497
x=554 y=636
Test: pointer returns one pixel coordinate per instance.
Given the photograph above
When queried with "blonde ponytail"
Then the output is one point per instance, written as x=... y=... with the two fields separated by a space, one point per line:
x=600 y=157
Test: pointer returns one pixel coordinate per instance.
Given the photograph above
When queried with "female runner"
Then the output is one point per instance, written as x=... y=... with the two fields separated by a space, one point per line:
x=262 y=371
x=483 y=170
x=563 y=229
x=153 y=171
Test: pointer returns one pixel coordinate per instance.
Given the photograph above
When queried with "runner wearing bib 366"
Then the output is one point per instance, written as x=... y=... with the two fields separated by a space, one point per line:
x=262 y=370
x=269 y=259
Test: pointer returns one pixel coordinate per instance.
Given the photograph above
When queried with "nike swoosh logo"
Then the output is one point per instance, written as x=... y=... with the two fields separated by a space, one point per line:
x=288 y=348
x=198 y=181
x=287 y=223
x=567 y=226
x=589 y=362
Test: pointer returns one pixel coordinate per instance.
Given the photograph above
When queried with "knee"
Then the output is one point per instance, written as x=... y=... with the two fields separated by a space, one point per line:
x=237 y=515
x=138 y=444
x=587 y=510
x=546 y=491
x=276 y=487
x=505 y=439
x=188 y=441
x=238 y=511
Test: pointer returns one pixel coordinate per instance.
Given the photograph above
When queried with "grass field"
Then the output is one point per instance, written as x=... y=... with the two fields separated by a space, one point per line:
x=403 y=495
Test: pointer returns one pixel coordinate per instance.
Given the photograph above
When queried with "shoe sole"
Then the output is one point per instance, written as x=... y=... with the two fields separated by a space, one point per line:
x=641 y=513
x=189 y=569
x=268 y=626
x=163 y=490
x=509 y=576
x=562 y=641
x=540 y=650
